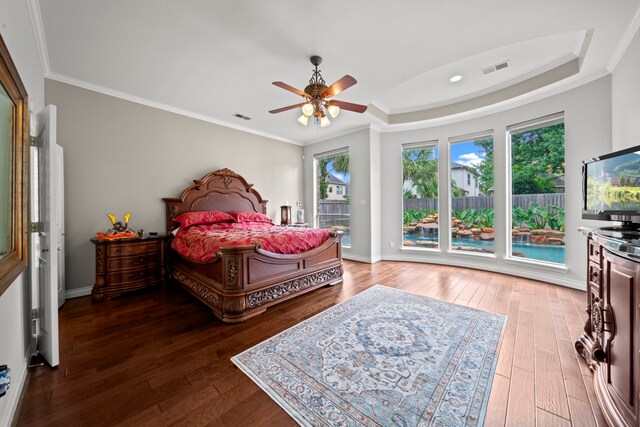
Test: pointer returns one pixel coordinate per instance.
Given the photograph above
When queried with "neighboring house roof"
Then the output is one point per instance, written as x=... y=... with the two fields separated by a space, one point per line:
x=332 y=179
x=455 y=165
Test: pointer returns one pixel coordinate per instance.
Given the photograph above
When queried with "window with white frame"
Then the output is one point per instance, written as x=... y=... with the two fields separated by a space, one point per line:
x=333 y=210
x=420 y=195
x=472 y=211
x=536 y=177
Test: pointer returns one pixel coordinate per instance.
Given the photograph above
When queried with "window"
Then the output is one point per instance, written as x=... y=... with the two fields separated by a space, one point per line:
x=472 y=209
x=333 y=210
x=537 y=190
x=420 y=195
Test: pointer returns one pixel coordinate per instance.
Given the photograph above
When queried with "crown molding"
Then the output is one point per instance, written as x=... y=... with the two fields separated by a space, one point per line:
x=524 y=99
x=38 y=32
x=339 y=134
x=624 y=42
x=160 y=106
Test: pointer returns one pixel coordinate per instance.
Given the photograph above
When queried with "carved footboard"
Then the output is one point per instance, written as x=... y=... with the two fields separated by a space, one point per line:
x=245 y=280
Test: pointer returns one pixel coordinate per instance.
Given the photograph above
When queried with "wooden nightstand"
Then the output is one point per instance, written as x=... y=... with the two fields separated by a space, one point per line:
x=124 y=265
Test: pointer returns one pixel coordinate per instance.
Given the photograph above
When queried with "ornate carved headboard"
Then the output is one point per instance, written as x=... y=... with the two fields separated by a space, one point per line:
x=222 y=190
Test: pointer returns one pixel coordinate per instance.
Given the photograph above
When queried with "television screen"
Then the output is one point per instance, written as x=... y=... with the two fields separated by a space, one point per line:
x=612 y=183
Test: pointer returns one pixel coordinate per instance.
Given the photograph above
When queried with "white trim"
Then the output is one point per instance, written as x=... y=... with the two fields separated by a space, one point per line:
x=160 y=106
x=486 y=255
x=331 y=153
x=474 y=135
x=343 y=133
x=79 y=292
x=38 y=32
x=18 y=381
x=417 y=250
x=624 y=42
x=518 y=101
x=496 y=268
x=359 y=258
x=532 y=262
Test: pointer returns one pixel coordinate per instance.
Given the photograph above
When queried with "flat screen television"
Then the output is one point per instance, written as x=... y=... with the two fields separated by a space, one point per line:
x=611 y=187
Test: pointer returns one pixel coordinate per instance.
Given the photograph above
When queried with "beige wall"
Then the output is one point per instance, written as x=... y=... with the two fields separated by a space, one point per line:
x=124 y=157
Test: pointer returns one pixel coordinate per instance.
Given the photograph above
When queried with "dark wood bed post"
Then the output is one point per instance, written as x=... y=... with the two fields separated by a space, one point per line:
x=243 y=281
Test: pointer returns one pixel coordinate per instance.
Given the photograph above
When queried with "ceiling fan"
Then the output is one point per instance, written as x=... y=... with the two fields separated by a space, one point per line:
x=316 y=98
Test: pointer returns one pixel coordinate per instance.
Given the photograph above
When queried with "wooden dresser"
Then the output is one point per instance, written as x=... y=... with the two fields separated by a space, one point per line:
x=611 y=340
x=124 y=265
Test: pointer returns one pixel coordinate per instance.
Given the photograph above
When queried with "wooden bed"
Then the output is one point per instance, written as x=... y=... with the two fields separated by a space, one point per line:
x=243 y=281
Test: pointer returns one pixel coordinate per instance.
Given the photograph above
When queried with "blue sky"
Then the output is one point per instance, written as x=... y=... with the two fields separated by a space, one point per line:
x=467 y=153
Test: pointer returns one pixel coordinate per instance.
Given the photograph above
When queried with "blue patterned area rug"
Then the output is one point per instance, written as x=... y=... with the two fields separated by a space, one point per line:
x=385 y=357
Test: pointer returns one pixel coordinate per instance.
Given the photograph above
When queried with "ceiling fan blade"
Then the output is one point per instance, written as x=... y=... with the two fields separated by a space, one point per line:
x=350 y=106
x=344 y=83
x=290 y=107
x=290 y=88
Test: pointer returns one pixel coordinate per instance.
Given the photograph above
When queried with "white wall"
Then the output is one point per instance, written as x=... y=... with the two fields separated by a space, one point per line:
x=587 y=112
x=361 y=172
x=376 y=159
x=625 y=97
x=17 y=32
x=125 y=157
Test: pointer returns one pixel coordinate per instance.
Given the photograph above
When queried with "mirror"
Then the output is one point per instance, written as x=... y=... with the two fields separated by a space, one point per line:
x=14 y=136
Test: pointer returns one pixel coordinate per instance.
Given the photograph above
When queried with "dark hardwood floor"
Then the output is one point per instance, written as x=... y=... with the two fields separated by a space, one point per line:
x=160 y=358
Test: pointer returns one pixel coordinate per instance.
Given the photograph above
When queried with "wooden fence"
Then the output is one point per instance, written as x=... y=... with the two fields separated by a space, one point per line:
x=333 y=212
x=337 y=212
x=486 y=202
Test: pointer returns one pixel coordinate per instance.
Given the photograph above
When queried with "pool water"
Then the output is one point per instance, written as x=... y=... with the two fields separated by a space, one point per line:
x=547 y=253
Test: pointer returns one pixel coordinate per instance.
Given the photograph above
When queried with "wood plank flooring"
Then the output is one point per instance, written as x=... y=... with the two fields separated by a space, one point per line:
x=161 y=358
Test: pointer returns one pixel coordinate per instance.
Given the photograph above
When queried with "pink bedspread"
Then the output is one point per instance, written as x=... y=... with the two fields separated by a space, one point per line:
x=202 y=243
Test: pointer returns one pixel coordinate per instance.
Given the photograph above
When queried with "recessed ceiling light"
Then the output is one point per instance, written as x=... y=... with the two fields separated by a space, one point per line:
x=455 y=78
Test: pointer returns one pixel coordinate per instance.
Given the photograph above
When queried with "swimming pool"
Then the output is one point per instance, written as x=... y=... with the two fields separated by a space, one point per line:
x=547 y=253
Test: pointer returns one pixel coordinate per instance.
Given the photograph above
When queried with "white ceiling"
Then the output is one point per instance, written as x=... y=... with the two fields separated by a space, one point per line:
x=212 y=59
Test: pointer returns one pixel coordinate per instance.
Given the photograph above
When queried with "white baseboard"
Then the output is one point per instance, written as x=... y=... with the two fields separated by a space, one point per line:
x=359 y=258
x=75 y=293
x=18 y=380
x=541 y=276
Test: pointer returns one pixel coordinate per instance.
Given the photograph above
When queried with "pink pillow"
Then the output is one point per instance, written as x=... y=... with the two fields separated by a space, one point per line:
x=250 y=217
x=202 y=217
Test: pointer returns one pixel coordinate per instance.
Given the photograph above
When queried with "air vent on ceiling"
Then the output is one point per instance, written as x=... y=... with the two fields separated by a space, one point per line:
x=240 y=116
x=495 y=67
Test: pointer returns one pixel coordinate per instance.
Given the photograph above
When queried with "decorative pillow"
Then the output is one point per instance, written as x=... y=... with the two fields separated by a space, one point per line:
x=250 y=217
x=202 y=217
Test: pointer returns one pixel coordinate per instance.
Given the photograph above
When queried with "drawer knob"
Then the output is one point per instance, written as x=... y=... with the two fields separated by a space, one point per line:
x=596 y=252
x=137 y=275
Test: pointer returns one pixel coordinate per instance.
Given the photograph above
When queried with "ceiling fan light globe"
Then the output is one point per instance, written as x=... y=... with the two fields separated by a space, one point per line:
x=333 y=110
x=324 y=122
x=303 y=119
x=307 y=109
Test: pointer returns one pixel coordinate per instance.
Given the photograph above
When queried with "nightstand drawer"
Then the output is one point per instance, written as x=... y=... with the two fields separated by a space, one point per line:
x=133 y=249
x=150 y=273
x=125 y=265
x=133 y=261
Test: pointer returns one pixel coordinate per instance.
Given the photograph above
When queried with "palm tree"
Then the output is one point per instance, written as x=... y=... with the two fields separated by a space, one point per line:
x=419 y=168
